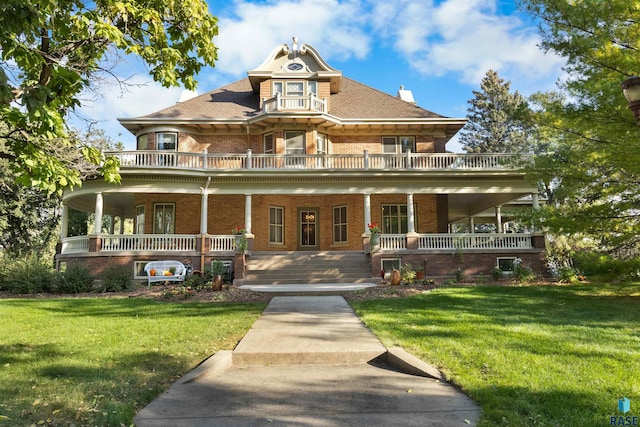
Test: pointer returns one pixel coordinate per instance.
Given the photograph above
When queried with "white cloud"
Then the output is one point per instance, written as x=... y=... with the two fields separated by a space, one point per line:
x=142 y=96
x=336 y=28
x=465 y=38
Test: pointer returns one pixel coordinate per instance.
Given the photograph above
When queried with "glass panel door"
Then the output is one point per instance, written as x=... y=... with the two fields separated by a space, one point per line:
x=308 y=219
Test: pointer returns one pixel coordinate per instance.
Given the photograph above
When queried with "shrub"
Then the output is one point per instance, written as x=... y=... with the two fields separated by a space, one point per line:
x=496 y=273
x=76 y=279
x=522 y=273
x=28 y=275
x=115 y=278
x=407 y=274
x=605 y=266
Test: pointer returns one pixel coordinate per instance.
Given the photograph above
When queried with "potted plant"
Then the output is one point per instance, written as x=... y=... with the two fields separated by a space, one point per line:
x=374 y=230
x=241 y=239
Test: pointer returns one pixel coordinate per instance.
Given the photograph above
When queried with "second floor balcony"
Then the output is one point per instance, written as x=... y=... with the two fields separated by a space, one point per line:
x=281 y=103
x=281 y=162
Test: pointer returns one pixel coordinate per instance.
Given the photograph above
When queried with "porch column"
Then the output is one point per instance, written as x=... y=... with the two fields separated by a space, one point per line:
x=535 y=201
x=204 y=208
x=64 y=221
x=367 y=212
x=498 y=219
x=247 y=213
x=411 y=220
x=97 y=224
x=535 y=204
x=472 y=225
x=122 y=224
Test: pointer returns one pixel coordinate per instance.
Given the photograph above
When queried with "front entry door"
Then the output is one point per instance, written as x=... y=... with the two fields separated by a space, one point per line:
x=308 y=228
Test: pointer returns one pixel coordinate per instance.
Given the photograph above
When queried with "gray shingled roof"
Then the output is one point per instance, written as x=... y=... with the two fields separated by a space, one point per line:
x=238 y=101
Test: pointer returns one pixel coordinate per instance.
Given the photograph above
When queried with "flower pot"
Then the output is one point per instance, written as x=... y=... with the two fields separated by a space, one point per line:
x=395 y=277
x=217 y=282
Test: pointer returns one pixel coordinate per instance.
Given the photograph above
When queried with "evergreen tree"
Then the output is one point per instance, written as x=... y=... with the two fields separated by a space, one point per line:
x=496 y=119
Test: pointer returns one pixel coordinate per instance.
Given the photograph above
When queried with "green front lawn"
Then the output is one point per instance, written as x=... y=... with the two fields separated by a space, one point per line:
x=543 y=356
x=74 y=361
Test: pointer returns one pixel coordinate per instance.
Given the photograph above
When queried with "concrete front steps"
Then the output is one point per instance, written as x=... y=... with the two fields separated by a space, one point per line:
x=307 y=330
x=279 y=268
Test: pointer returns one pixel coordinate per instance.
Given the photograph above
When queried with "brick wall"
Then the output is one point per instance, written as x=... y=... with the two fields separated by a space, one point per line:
x=471 y=263
x=226 y=212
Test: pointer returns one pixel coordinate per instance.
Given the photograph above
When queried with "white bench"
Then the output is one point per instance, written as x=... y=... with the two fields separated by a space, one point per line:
x=162 y=270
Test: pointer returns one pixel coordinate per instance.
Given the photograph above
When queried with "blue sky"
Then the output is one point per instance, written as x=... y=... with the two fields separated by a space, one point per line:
x=440 y=50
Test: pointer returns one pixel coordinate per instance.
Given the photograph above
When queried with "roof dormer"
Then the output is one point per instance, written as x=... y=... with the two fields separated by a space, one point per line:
x=301 y=63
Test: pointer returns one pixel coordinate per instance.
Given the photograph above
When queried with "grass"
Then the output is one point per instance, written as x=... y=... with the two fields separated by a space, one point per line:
x=530 y=356
x=74 y=361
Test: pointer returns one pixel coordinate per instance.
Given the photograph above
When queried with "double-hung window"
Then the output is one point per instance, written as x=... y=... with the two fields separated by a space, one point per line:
x=268 y=144
x=166 y=141
x=394 y=219
x=164 y=218
x=276 y=225
x=340 y=224
x=398 y=144
x=139 y=219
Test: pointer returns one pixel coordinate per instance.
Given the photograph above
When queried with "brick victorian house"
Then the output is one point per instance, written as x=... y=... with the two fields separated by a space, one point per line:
x=303 y=159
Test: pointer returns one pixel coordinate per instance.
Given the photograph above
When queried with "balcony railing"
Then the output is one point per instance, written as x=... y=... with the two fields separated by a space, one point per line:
x=294 y=103
x=282 y=162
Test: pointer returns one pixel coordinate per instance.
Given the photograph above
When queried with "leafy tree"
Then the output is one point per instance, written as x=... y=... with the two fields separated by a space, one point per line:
x=594 y=155
x=53 y=50
x=496 y=119
x=30 y=216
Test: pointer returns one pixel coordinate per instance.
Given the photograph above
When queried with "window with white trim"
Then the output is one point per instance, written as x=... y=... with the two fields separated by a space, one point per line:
x=166 y=141
x=398 y=144
x=394 y=219
x=312 y=87
x=142 y=142
x=322 y=143
x=139 y=219
x=505 y=264
x=276 y=225
x=340 y=224
x=164 y=218
x=278 y=88
x=295 y=88
x=294 y=142
x=389 y=264
x=268 y=144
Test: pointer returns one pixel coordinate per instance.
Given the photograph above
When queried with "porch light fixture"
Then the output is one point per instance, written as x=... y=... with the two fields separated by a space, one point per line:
x=631 y=90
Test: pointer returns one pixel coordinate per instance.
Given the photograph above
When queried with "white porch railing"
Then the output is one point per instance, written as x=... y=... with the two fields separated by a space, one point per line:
x=222 y=243
x=393 y=241
x=364 y=161
x=75 y=245
x=294 y=103
x=474 y=241
x=148 y=242
x=458 y=241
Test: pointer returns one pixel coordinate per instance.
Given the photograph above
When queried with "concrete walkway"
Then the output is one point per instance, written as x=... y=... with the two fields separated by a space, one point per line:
x=309 y=361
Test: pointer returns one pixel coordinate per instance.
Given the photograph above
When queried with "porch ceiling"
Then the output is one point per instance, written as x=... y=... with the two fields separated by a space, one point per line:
x=465 y=198
x=463 y=206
